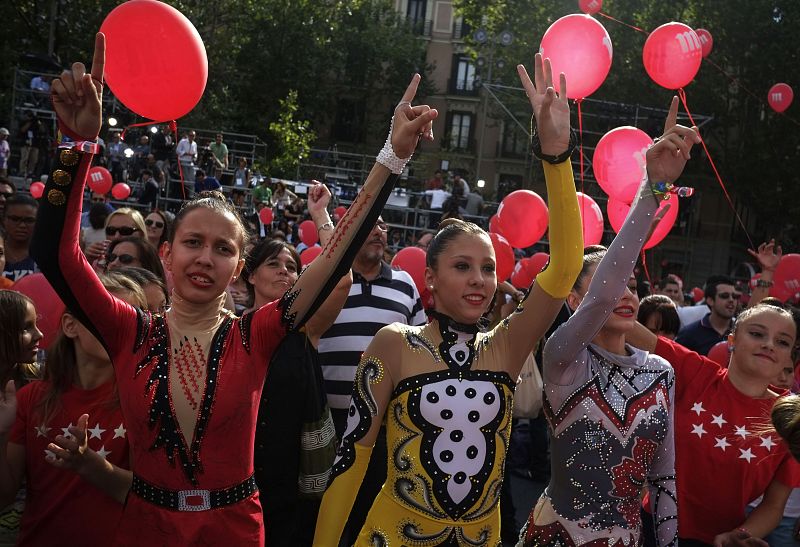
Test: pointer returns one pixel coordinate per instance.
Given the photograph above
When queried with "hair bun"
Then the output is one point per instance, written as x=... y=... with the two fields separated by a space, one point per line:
x=786 y=420
x=211 y=194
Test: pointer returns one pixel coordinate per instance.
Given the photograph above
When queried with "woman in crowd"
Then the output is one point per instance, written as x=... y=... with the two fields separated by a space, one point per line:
x=189 y=380
x=134 y=251
x=37 y=420
x=155 y=291
x=445 y=390
x=659 y=314
x=157 y=225
x=282 y=197
x=724 y=458
x=5 y=283
x=609 y=407
x=293 y=452
x=123 y=222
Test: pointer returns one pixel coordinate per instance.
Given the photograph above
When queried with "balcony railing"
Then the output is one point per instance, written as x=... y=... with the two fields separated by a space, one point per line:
x=461 y=86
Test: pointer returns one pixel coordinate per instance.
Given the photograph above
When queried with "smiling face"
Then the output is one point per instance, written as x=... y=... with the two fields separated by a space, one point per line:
x=763 y=342
x=273 y=277
x=204 y=254
x=623 y=315
x=463 y=279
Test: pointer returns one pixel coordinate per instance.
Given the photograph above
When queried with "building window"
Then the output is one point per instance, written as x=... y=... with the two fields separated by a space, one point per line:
x=415 y=14
x=460 y=127
x=515 y=142
x=465 y=74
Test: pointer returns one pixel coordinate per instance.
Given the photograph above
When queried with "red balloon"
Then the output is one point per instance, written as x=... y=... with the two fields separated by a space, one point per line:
x=537 y=262
x=503 y=255
x=339 y=212
x=618 y=211
x=672 y=55
x=522 y=218
x=786 y=279
x=308 y=232
x=266 y=215
x=412 y=261
x=121 y=191
x=619 y=161
x=494 y=225
x=706 y=41
x=308 y=255
x=172 y=56
x=592 y=219
x=521 y=277
x=697 y=294
x=100 y=180
x=580 y=47
x=37 y=189
x=49 y=307
x=780 y=97
x=719 y=353
x=590 y=7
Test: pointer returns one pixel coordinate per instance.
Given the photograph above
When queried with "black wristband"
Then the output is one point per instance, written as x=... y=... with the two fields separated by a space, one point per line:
x=536 y=147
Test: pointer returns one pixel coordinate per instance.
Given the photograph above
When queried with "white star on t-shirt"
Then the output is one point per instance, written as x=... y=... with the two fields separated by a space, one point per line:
x=746 y=455
x=96 y=431
x=49 y=454
x=66 y=433
x=41 y=431
x=767 y=442
x=698 y=430
x=119 y=432
x=698 y=408
x=741 y=431
x=103 y=452
x=722 y=443
x=719 y=420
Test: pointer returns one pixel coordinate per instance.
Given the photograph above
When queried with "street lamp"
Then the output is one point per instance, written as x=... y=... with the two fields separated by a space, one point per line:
x=481 y=183
x=112 y=121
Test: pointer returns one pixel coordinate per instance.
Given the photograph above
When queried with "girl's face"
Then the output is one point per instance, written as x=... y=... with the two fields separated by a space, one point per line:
x=123 y=254
x=156 y=299
x=120 y=226
x=204 y=255
x=464 y=280
x=622 y=317
x=274 y=277
x=762 y=344
x=155 y=227
x=30 y=336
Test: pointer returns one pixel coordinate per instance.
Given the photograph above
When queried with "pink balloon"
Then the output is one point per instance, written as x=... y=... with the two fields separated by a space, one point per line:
x=121 y=191
x=339 y=212
x=266 y=215
x=619 y=160
x=308 y=255
x=49 y=307
x=706 y=41
x=672 y=55
x=100 y=180
x=494 y=225
x=720 y=354
x=590 y=7
x=780 y=97
x=580 y=47
x=592 y=219
x=503 y=255
x=521 y=277
x=37 y=189
x=173 y=55
x=537 y=262
x=522 y=218
x=308 y=232
x=412 y=261
x=618 y=211
x=786 y=279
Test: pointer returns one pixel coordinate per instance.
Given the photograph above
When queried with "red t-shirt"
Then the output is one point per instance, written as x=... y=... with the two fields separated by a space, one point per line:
x=59 y=503
x=722 y=461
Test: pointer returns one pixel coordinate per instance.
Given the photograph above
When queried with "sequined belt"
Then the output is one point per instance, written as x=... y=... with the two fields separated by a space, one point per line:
x=193 y=500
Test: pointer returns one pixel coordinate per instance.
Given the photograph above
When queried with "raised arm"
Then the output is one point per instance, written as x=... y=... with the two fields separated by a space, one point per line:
x=408 y=125
x=768 y=256
x=661 y=483
x=77 y=99
x=665 y=162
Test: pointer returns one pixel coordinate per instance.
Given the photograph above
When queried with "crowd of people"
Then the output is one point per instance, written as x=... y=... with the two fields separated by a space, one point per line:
x=205 y=384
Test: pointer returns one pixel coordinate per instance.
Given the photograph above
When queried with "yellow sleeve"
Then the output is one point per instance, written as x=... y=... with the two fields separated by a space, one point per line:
x=565 y=232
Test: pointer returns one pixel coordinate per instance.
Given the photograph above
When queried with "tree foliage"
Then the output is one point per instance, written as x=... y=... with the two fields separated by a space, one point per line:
x=292 y=137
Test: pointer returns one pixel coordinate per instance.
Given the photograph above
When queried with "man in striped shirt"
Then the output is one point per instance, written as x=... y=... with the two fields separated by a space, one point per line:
x=379 y=296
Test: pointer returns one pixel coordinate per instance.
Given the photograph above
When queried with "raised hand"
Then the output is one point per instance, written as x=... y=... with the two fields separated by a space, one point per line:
x=77 y=96
x=410 y=123
x=550 y=109
x=768 y=255
x=668 y=156
x=70 y=451
x=8 y=408
x=318 y=198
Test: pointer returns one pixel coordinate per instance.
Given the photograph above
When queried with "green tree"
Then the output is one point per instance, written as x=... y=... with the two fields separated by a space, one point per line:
x=293 y=138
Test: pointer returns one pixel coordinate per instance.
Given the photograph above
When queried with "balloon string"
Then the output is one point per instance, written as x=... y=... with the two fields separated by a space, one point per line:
x=646 y=271
x=682 y=95
x=580 y=139
x=173 y=127
x=622 y=22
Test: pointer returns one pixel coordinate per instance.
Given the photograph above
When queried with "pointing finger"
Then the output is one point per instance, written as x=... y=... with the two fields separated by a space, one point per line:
x=99 y=59
x=672 y=116
x=411 y=90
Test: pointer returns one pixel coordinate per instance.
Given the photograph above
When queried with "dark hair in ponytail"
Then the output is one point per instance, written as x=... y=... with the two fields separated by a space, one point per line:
x=215 y=201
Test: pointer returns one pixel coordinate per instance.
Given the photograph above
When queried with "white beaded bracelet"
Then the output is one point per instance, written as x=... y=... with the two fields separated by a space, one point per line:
x=388 y=158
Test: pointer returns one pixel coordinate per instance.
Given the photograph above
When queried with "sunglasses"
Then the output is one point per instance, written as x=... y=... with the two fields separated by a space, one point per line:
x=124 y=258
x=6 y=194
x=727 y=295
x=21 y=220
x=150 y=222
x=98 y=200
x=122 y=230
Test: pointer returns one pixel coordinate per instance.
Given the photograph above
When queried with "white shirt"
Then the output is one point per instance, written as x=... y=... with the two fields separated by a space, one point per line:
x=187 y=151
x=438 y=198
x=692 y=314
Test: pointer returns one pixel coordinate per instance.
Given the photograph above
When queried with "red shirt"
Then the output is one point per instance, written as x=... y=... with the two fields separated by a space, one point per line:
x=59 y=502
x=722 y=459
